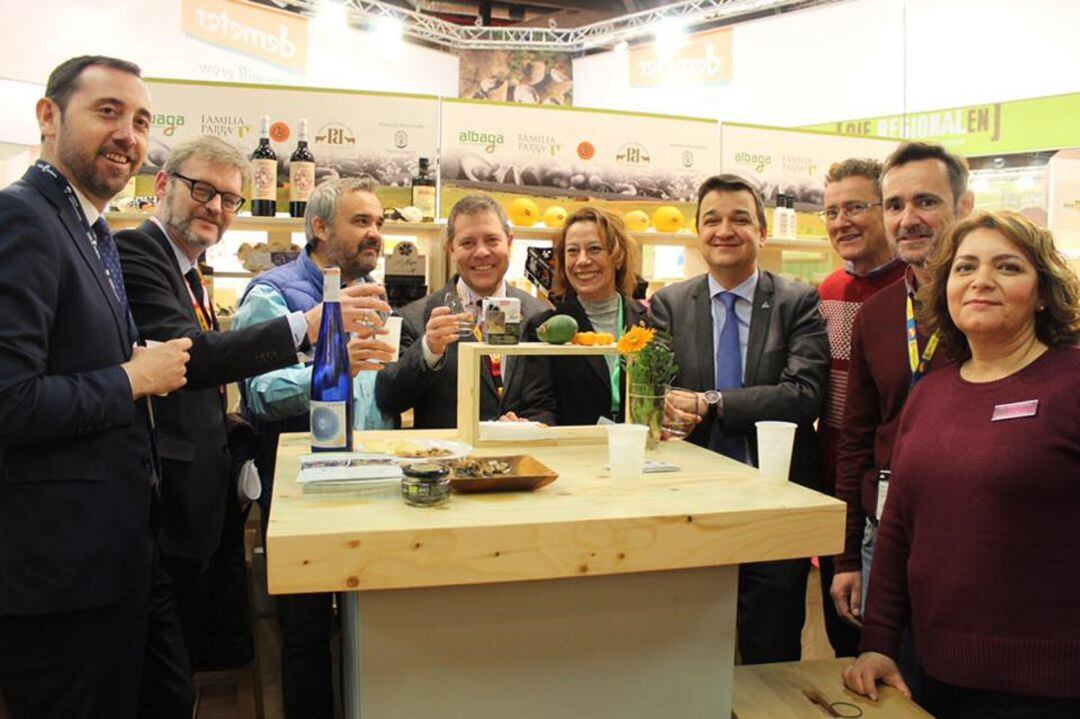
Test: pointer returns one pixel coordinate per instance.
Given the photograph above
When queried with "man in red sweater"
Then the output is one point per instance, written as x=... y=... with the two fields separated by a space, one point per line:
x=924 y=188
x=856 y=227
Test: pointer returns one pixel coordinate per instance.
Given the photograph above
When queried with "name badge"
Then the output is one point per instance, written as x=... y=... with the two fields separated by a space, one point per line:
x=882 y=493
x=1015 y=410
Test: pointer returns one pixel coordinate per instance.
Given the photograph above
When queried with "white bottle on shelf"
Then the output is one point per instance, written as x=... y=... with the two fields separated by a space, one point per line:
x=779 y=217
x=792 y=218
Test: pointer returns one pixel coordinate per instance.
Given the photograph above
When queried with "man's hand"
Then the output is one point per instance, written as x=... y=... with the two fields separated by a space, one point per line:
x=442 y=329
x=159 y=369
x=870 y=668
x=368 y=355
x=360 y=308
x=846 y=592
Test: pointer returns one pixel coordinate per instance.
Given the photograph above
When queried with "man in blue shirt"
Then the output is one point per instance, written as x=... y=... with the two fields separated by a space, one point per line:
x=342 y=225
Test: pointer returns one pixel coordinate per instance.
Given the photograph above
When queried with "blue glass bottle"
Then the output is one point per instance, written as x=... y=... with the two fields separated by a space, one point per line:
x=331 y=385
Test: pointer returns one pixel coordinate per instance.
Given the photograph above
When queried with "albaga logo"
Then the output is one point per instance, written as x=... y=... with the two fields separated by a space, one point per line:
x=754 y=160
x=274 y=36
x=487 y=140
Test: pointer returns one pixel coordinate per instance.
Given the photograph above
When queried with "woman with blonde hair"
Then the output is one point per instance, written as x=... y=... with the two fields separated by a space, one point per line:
x=978 y=543
x=595 y=273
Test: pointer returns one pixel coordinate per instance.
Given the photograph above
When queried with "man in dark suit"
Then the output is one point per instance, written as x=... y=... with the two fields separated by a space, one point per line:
x=76 y=459
x=768 y=359
x=198 y=192
x=424 y=379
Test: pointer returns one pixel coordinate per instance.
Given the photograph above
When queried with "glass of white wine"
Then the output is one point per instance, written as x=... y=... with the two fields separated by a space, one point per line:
x=680 y=413
x=466 y=314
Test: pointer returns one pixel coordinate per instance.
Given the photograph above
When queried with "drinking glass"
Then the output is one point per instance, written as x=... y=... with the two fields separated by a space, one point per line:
x=680 y=413
x=466 y=313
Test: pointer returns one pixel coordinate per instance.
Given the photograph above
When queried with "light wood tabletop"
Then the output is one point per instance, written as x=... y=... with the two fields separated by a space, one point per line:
x=775 y=691
x=712 y=512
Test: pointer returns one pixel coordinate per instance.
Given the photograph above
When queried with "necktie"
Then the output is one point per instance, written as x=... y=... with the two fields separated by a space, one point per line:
x=194 y=280
x=729 y=375
x=110 y=258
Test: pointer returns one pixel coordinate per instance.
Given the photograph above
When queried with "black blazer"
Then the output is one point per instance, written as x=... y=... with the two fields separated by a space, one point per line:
x=75 y=456
x=571 y=390
x=787 y=361
x=432 y=394
x=191 y=431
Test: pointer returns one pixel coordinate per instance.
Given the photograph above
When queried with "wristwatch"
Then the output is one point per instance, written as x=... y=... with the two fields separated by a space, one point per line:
x=714 y=402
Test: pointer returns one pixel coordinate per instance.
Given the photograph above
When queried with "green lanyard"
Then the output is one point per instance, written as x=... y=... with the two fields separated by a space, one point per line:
x=615 y=367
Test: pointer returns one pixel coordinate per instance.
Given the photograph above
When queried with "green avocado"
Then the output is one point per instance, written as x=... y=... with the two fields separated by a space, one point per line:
x=557 y=329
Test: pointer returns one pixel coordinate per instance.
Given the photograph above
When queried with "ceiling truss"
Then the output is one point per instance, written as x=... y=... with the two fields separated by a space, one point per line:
x=420 y=26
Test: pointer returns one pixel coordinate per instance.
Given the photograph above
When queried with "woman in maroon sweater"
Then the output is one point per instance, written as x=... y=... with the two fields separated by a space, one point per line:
x=979 y=545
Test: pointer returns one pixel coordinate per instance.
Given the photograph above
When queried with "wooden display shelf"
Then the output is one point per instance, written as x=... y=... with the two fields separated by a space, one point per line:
x=468 y=379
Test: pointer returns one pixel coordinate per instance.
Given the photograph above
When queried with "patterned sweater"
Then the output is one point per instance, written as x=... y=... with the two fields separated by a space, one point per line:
x=842 y=294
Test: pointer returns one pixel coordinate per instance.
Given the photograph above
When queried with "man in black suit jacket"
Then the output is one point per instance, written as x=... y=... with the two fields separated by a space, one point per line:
x=198 y=191
x=76 y=460
x=478 y=239
x=785 y=361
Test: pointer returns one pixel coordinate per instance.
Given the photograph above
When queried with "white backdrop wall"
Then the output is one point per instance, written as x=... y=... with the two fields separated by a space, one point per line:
x=42 y=34
x=852 y=59
x=864 y=58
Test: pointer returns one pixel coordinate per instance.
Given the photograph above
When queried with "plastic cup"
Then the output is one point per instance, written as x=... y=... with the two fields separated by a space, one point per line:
x=775 y=441
x=392 y=325
x=626 y=452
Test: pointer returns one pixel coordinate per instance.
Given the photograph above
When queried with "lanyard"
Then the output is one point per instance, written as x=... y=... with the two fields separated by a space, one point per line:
x=65 y=186
x=201 y=312
x=616 y=369
x=918 y=364
x=69 y=192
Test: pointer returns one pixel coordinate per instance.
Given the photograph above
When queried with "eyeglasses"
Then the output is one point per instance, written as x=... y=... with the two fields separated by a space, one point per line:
x=851 y=210
x=205 y=192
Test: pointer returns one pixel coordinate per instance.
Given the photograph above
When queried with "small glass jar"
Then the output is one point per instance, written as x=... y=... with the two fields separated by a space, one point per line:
x=425 y=485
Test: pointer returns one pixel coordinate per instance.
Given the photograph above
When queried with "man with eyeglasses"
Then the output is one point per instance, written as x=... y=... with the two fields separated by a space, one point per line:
x=923 y=189
x=198 y=195
x=856 y=228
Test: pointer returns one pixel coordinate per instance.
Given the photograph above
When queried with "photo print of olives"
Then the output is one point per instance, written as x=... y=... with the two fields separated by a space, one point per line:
x=530 y=76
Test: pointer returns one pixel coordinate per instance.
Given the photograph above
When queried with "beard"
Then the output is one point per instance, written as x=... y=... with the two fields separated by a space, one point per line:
x=81 y=163
x=178 y=222
x=353 y=264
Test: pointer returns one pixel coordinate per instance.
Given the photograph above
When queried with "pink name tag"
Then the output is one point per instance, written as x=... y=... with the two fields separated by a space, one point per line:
x=1015 y=410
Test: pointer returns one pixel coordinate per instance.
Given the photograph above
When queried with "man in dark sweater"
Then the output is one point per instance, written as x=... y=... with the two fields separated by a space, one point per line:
x=856 y=227
x=924 y=188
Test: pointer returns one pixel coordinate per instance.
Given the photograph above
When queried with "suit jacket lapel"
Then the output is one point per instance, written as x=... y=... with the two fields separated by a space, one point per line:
x=701 y=307
x=73 y=224
x=596 y=363
x=151 y=229
x=759 y=327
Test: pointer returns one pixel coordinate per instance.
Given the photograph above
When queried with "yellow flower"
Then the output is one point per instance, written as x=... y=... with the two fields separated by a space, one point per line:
x=635 y=340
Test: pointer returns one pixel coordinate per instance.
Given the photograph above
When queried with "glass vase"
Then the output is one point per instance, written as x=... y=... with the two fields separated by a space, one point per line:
x=645 y=405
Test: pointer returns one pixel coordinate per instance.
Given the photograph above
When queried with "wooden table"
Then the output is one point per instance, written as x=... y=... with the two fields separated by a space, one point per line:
x=580 y=600
x=775 y=691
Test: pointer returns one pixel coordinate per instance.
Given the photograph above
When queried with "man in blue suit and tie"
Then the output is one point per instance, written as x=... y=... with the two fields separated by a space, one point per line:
x=754 y=346
x=77 y=464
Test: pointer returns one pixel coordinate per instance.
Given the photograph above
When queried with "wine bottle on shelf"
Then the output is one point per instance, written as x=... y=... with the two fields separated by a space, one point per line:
x=301 y=173
x=264 y=174
x=331 y=385
x=423 y=192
